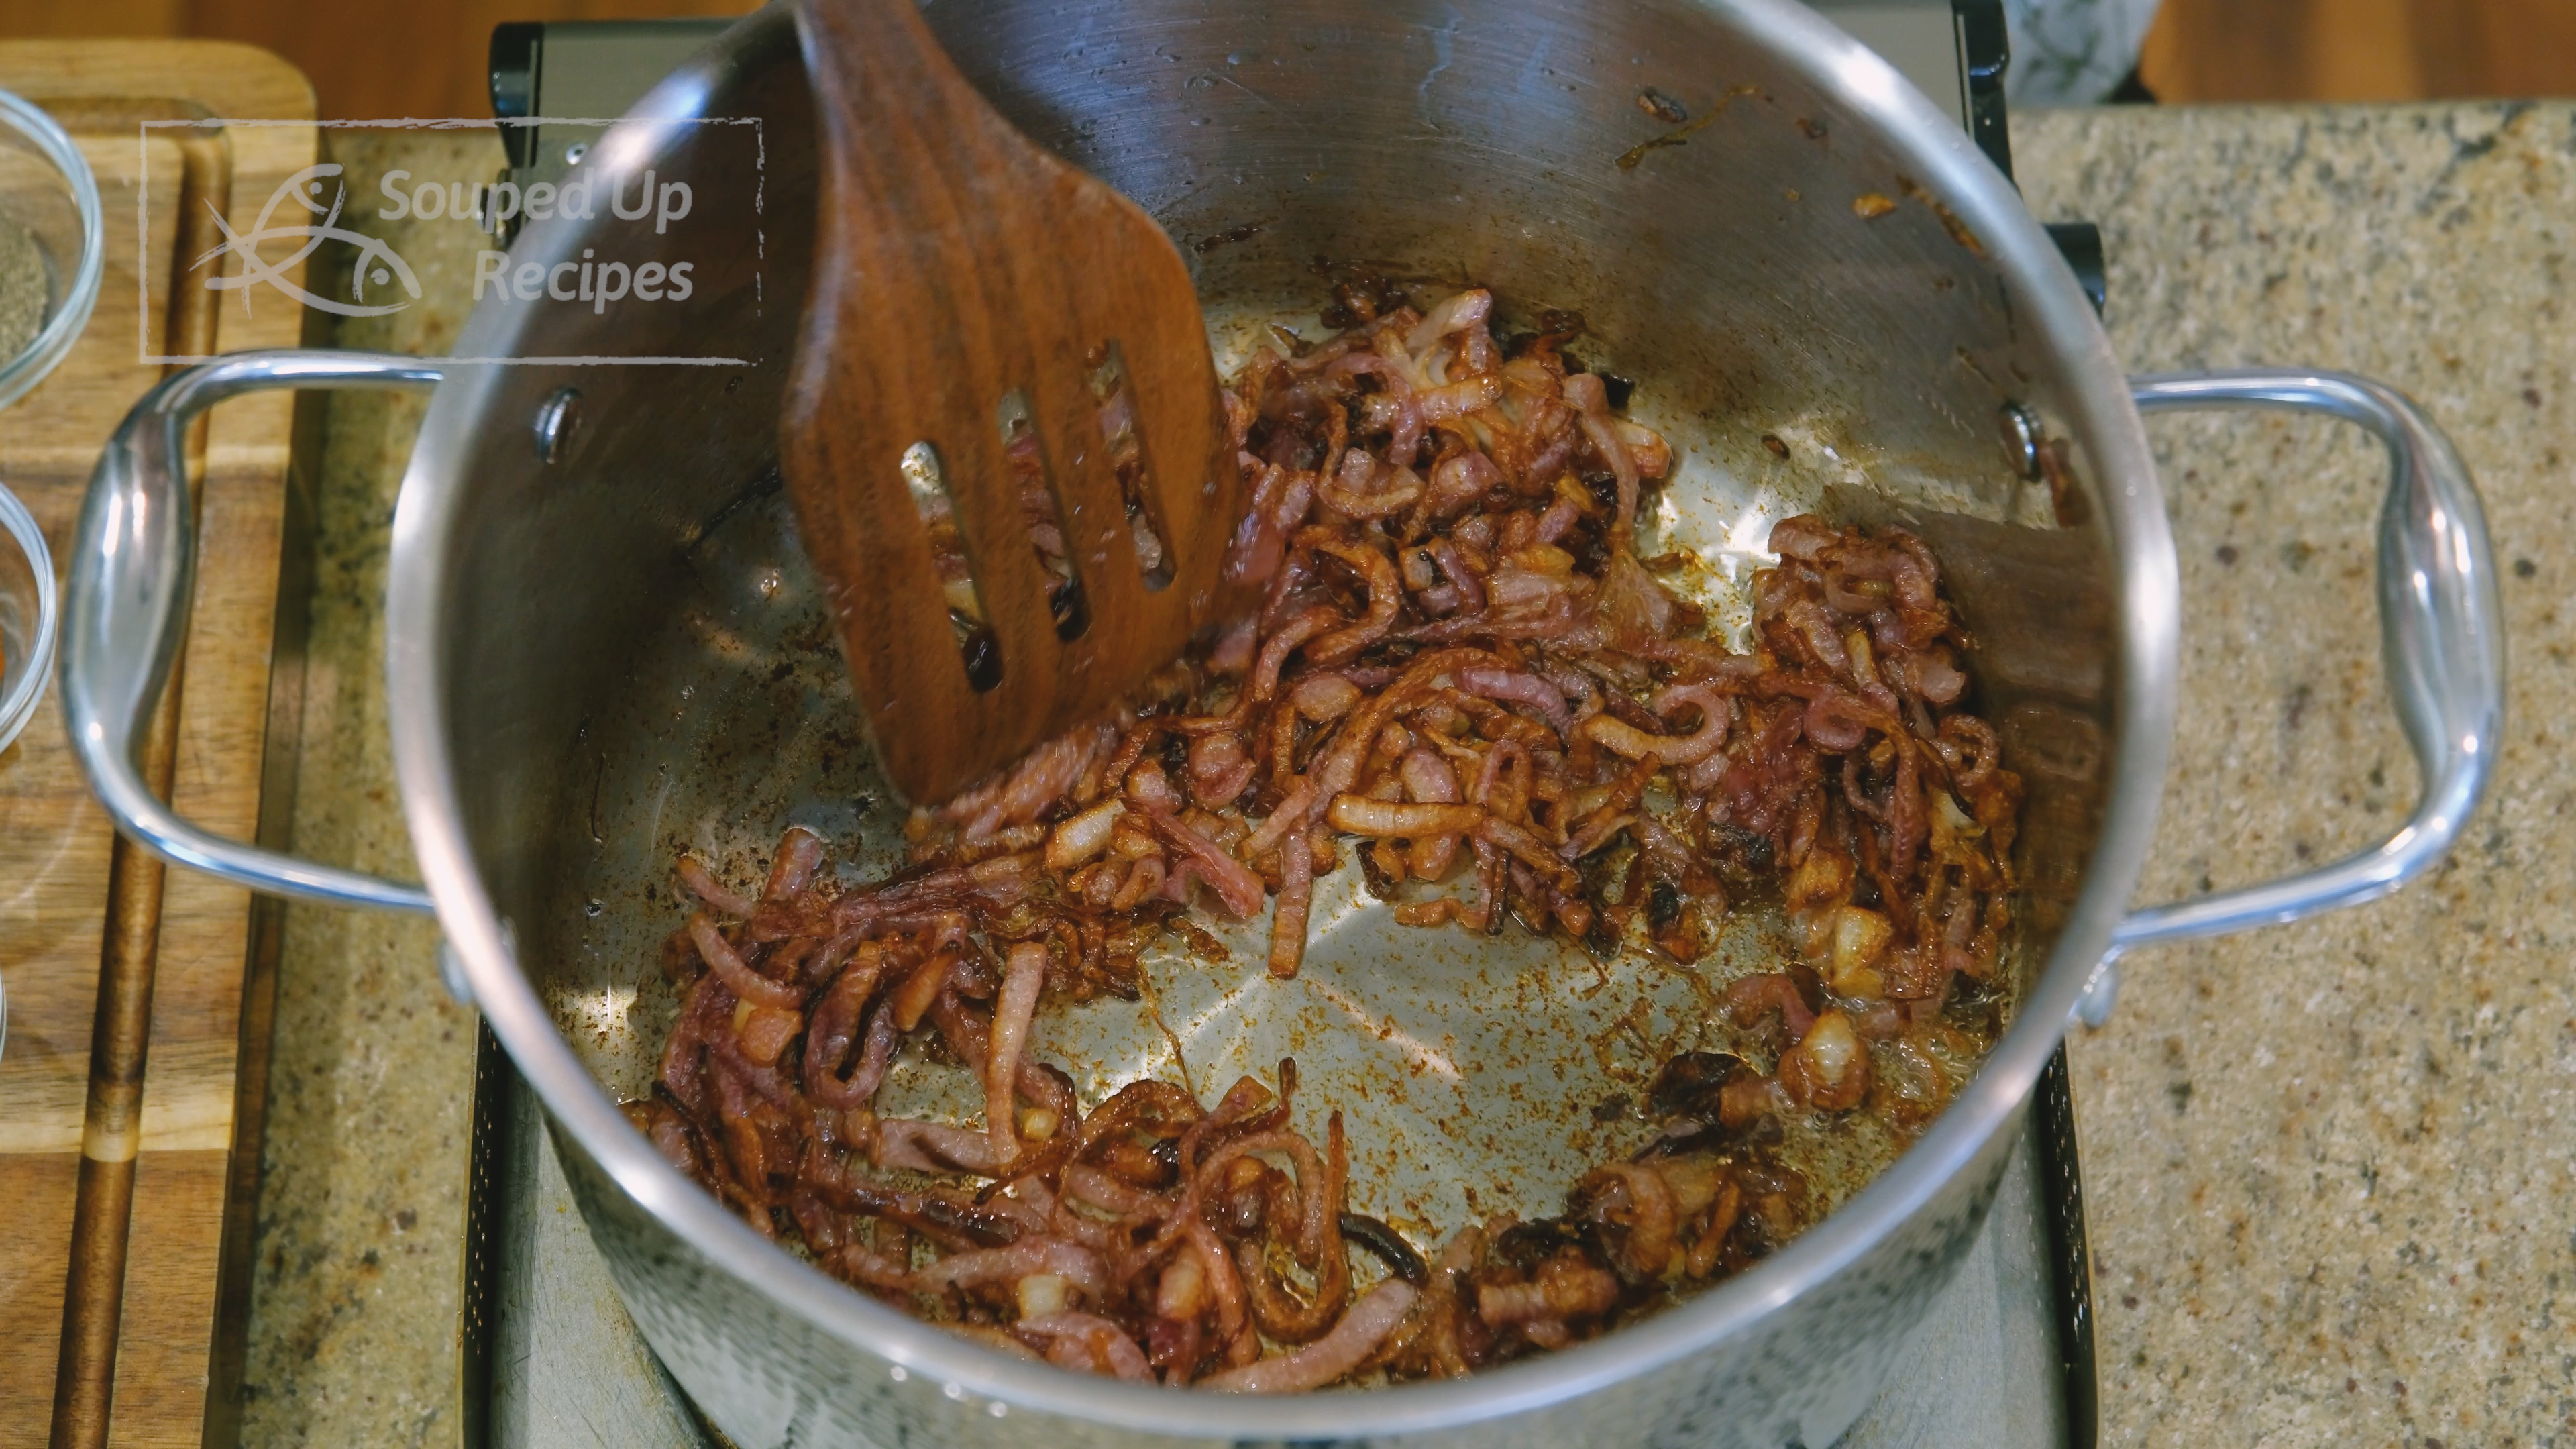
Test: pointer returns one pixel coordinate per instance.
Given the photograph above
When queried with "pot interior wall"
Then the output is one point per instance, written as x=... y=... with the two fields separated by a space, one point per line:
x=641 y=665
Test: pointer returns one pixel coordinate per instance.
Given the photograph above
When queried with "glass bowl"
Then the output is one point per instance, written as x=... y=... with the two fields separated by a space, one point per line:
x=27 y=626
x=50 y=228
x=27 y=620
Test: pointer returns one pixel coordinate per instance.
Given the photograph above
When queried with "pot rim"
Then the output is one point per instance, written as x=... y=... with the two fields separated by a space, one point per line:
x=2097 y=410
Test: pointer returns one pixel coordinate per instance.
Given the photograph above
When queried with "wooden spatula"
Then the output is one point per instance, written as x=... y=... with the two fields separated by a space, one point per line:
x=997 y=350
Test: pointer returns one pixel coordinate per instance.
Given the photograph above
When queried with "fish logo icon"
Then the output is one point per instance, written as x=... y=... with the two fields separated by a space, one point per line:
x=377 y=263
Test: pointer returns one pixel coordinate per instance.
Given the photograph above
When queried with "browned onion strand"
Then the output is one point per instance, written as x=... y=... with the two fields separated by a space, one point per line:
x=1464 y=683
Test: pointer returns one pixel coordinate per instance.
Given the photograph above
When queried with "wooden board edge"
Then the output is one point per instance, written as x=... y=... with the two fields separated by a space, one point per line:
x=281 y=753
x=107 y=1212
x=225 y=78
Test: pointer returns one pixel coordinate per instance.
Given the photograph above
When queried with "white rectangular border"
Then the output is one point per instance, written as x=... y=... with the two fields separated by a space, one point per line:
x=143 y=220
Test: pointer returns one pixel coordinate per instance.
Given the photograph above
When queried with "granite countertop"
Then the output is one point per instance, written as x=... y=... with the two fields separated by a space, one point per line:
x=2328 y=1177
x=361 y=1220
x=2328 y=1187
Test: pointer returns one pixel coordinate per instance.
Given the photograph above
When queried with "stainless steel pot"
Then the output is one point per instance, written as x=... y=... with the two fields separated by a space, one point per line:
x=604 y=646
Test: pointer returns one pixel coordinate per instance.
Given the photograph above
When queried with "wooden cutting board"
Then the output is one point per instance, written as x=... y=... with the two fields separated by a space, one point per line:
x=118 y=1165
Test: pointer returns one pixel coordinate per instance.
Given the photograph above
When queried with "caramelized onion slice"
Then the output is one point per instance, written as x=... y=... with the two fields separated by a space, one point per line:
x=1381 y=819
x=1352 y=1340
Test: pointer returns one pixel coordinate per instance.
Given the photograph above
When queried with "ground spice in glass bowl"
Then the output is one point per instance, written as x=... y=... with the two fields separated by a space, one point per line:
x=52 y=245
x=25 y=289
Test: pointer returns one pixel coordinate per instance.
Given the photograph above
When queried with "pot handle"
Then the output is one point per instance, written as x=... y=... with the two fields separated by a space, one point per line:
x=133 y=571
x=2442 y=633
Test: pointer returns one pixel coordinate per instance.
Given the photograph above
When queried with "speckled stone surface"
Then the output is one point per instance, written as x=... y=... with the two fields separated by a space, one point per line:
x=2328 y=1167
x=353 y=1324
